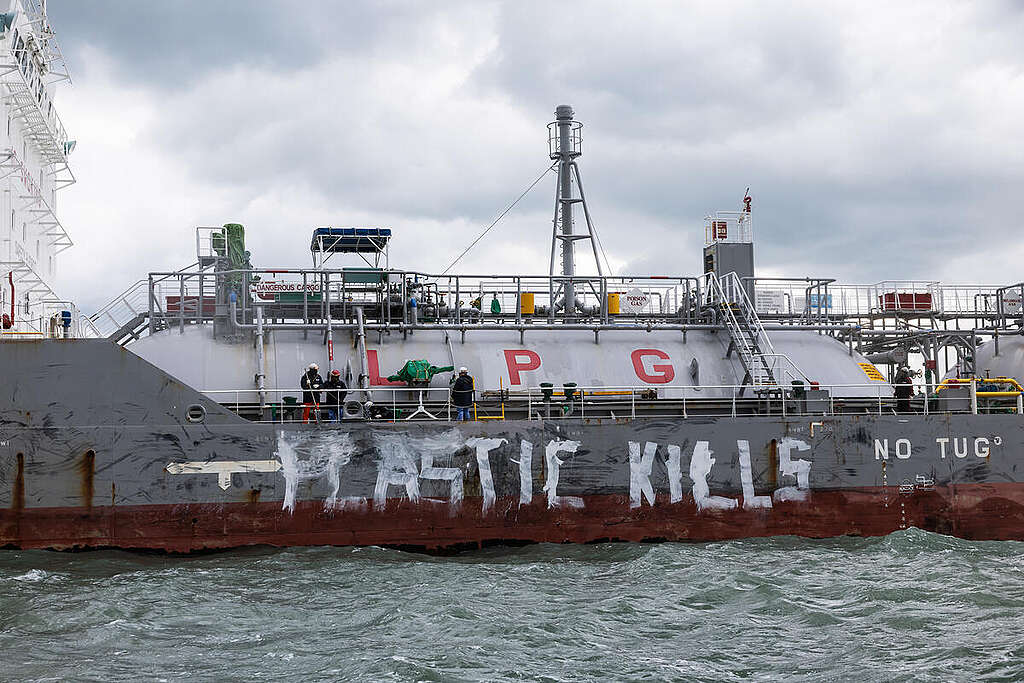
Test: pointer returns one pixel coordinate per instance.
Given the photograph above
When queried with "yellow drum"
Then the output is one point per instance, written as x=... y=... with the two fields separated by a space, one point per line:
x=526 y=303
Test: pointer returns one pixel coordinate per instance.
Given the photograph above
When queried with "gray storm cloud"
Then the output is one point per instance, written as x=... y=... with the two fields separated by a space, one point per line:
x=878 y=145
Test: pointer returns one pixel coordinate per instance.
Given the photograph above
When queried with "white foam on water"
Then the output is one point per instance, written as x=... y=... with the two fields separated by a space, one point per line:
x=34 y=576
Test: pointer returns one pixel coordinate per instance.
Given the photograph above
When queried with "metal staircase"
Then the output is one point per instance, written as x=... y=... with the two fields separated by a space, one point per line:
x=764 y=367
x=125 y=318
x=153 y=305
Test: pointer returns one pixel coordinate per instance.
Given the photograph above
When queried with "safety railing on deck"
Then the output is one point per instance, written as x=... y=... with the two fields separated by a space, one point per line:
x=810 y=299
x=398 y=404
x=46 y=320
x=321 y=297
x=133 y=307
x=307 y=296
x=122 y=308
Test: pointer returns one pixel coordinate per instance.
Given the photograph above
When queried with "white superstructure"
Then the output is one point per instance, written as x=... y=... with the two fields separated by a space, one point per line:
x=34 y=150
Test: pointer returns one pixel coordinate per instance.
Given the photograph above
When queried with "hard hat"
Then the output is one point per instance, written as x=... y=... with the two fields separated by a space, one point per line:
x=312 y=366
x=336 y=372
x=463 y=369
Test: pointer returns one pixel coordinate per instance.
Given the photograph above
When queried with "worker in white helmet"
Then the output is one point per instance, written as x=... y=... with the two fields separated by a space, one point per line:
x=312 y=384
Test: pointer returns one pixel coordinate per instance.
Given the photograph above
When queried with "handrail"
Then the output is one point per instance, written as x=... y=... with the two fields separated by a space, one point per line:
x=134 y=297
x=755 y=352
x=632 y=401
x=676 y=303
x=589 y=388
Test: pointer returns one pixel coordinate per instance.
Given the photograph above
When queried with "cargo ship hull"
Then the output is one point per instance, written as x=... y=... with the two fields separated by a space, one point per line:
x=96 y=451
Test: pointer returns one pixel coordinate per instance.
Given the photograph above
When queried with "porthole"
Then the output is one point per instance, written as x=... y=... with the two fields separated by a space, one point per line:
x=353 y=409
x=195 y=413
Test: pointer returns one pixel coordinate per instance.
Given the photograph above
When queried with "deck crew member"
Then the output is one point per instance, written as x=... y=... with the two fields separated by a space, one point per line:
x=462 y=395
x=334 y=395
x=904 y=389
x=312 y=384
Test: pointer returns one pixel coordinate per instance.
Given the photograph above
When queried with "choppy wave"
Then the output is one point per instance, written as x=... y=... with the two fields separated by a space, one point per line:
x=910 y=606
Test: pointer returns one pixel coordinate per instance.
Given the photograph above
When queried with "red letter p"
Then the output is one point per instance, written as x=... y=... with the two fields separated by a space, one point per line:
x=520 y=361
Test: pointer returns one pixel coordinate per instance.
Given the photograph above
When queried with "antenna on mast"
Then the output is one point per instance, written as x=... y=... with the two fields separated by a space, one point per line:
x=565 y=144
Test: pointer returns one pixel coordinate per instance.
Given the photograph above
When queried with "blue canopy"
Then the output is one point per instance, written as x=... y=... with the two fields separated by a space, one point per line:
x=350 y=240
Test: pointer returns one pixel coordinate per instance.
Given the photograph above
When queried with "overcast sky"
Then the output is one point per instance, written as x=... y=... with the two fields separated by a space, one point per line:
x=879 y=141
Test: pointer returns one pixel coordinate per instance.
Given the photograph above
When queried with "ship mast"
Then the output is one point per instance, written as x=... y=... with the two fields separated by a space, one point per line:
x=565 y=144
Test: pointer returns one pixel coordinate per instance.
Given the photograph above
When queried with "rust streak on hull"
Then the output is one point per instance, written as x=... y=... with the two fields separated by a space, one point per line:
x=18 y=493
x=87 y=470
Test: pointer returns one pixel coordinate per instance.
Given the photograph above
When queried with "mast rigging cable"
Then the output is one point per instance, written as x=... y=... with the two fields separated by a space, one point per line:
x=500 y=216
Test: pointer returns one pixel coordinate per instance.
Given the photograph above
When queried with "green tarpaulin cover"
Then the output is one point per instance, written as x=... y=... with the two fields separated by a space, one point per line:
x=418 y=372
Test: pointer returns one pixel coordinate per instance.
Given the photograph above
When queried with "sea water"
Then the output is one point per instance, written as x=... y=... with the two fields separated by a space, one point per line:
x=910 y=606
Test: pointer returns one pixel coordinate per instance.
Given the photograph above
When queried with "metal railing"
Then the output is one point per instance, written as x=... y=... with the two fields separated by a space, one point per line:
x=122 y=308
x=45 y=320
x=26 y=86
x=310 y=297
x=818 y=298
x=134 y=303
x=408 y=297
x=764 y=365
x=1010 y=301
x=399 y=404
x=280 y=405
x=729 y=227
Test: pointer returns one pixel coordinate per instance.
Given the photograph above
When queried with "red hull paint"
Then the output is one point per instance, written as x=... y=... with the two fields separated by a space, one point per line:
x=974 y=511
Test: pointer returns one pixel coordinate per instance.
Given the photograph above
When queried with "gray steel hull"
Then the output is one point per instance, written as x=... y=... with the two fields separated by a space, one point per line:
x=96 y=451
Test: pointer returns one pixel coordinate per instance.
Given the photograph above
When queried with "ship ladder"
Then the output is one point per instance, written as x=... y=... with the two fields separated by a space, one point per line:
x=748 y=338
